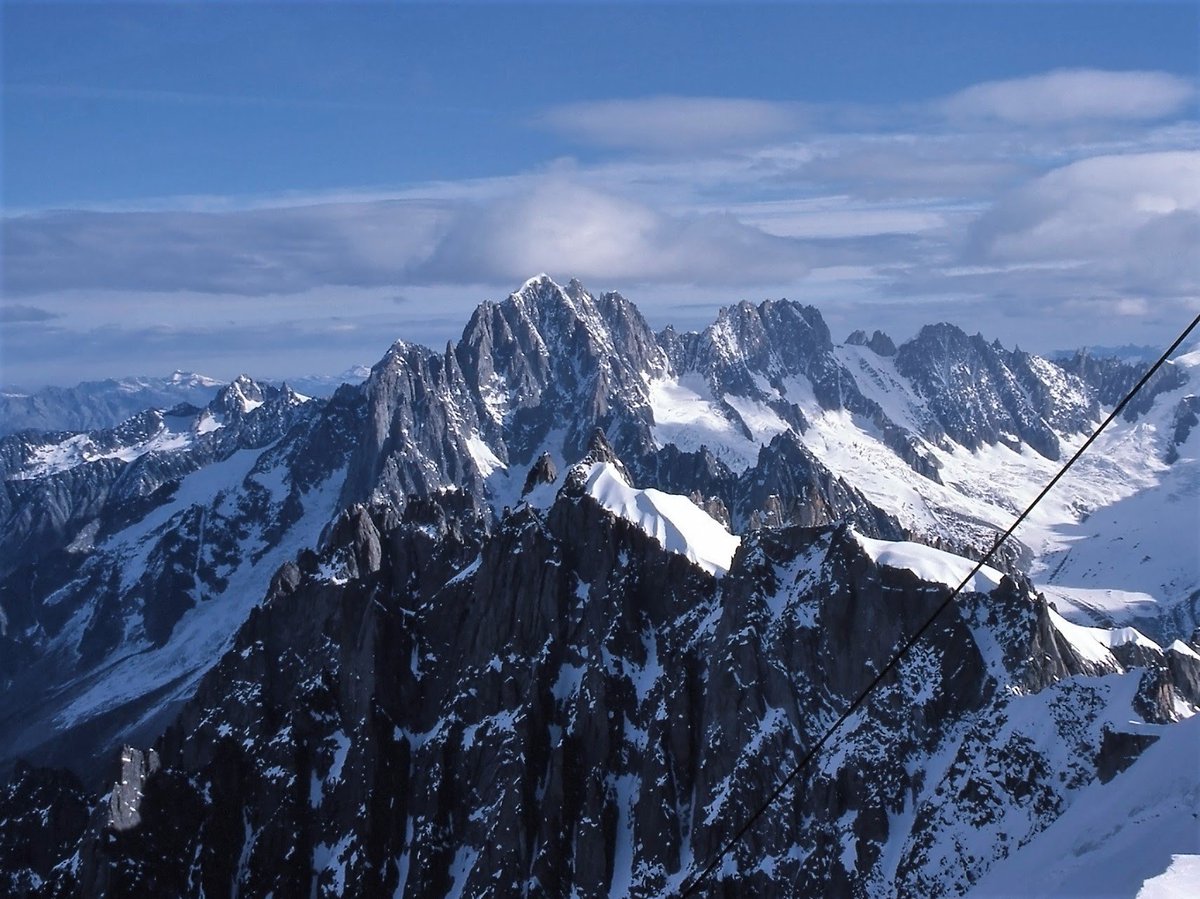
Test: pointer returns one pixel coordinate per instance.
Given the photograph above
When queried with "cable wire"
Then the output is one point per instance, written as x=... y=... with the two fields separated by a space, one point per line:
x=689 y=888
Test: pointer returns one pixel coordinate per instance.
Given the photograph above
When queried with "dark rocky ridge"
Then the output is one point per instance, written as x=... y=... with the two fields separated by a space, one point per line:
x=424 y=696
x=879 y=343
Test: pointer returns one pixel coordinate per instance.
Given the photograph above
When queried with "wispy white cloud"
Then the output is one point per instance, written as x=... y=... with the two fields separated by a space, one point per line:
x=951 y=211
x=252 y=253
x=559 y=225
x=1137 y=211
x=549 y=223
x=1067 y=96
x=674 y=123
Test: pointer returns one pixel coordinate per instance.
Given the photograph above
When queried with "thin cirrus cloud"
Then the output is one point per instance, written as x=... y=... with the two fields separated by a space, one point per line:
x=18 y=313
x=1033 y=196
x=1104 y=236
x=669 y=123
x=544 y=223
x=1068 y=96
x=252 y=252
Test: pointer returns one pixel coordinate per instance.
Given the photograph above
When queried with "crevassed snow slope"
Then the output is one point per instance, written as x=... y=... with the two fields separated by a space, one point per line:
x=686 y=414
x=674 y=521
x=1116 y=542
x=1119 y=838
x=206 y=630
x=1137 y=559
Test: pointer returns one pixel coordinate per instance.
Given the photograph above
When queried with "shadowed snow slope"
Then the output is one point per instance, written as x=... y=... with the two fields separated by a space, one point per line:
x=674 y=521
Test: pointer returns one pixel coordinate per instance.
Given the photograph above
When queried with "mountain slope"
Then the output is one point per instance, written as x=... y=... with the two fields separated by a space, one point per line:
x=100 y=404
x=569 y=565
x=391 y=717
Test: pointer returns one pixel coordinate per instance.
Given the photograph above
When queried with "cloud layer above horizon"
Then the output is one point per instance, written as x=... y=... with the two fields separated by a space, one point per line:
x=1069 y=198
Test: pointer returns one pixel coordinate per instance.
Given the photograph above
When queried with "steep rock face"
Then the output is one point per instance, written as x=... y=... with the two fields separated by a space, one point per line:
x=419 y=418
x=773 y=341
x=980 y=393
x=538 y=372
x=790 y=486
x=1183 y=423
x=879 y=343
x=563 y=706
x=556 y=358
x=1113 y=378
x=43 y=815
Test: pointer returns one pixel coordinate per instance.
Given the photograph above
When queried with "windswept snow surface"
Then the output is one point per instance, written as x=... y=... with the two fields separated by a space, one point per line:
x=686 y=415
x=929 y=564
x=1136 y=835
x=674 y=521
x=1094 y=643
x=1181 y=880
x=485 y=460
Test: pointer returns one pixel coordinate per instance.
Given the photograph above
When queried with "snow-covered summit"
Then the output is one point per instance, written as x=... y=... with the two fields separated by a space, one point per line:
x=677 y=523
x=929 y=564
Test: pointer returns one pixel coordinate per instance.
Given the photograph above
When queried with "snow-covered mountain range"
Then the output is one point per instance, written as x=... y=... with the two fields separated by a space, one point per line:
x=95 y=405
x=548 y=611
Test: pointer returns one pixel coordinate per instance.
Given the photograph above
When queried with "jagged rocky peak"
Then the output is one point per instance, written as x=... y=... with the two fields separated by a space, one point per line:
x=243 y=394
x=748 y=343
x=879 y=343
x=125 y=797
x=599 y=451
x=1184 y=421
x=774 y=334
x=421 y=417
x=980 y=393
x=550 y=320
x=543 y=471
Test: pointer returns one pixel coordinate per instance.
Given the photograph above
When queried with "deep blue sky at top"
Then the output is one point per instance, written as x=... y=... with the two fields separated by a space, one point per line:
x=284 y=189
x=110 y=103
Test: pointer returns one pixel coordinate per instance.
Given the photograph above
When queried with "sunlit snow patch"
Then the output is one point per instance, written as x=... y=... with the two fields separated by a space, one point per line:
x=929 y=564
x=674 y=521
x=686 y=415
x=483 y=457
x=51 y=459
x=1094 y=643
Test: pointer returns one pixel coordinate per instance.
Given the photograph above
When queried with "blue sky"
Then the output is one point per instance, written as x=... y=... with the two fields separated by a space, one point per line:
x=285 y=189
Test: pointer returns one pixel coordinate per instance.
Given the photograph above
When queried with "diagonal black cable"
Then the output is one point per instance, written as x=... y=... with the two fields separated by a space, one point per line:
x=689 y=888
